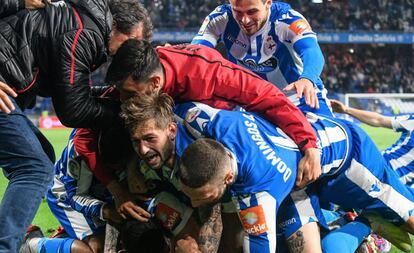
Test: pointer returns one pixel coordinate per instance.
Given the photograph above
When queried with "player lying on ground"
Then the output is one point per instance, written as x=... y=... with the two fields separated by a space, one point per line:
x=400 y=155
x=267 y=161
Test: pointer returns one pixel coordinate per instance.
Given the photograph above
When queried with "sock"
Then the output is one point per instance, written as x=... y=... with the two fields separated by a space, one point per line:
x=55 y=245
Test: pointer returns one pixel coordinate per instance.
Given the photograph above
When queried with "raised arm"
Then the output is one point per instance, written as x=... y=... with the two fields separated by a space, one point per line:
x=367 y=117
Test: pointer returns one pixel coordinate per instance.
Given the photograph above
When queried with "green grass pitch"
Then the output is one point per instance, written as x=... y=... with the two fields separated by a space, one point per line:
x=44 y=218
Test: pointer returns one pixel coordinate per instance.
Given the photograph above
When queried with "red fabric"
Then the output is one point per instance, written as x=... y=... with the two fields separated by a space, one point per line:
x=199 y=73
x=86 y=145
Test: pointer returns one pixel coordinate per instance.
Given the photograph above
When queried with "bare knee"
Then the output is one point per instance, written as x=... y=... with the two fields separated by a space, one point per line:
x=94 y=243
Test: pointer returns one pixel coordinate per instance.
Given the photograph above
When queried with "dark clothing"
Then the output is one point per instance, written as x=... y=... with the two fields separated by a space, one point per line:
x=52 y=52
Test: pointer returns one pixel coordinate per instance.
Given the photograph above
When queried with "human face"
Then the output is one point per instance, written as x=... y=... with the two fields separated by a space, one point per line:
x=251 y=15
x=154 y=145
x=130 y=88
x=210 y=193
x=117 y=37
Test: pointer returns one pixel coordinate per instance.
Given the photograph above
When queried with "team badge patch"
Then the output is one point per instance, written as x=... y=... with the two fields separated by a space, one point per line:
x=204 y=26
x=269 y=46
x=74 y=168
x=300 y=26
x=169 y=217
x=253 y=220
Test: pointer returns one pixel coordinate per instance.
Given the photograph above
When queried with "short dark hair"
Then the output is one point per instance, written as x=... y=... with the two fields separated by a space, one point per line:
x=135 y=58
x=202 y=161
x=128 y=13
x=144 y=236
x=138 y=110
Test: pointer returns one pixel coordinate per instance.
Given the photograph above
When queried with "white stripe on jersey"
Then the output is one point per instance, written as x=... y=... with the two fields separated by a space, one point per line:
x=269 y=206
x=362 y=177
x=330 y=135
x=78 y=223
x=403 y=160
x=408 y=179
x=303 y=205
x=403 y=143
x=335 y=164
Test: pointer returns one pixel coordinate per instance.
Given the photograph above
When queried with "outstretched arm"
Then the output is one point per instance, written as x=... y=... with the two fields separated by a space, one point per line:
x=367 y=117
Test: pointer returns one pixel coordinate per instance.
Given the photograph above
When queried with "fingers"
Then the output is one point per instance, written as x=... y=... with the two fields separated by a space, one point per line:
x=299 y=177
x=6 y=105
x=129 y=209
x=289 y=87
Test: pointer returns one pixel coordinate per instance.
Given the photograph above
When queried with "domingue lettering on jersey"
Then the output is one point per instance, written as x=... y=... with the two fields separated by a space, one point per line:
x=254 y=220
x=265 y=149
x=236 y=41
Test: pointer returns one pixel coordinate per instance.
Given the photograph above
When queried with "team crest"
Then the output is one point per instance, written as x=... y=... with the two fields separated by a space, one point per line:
x=300 y=26
x=253 y=220
x=74 y=167
x=269 y=46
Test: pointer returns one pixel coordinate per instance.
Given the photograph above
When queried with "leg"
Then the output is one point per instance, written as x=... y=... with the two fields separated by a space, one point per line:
x=29 y=171
x=75 y=223
x=298 y=219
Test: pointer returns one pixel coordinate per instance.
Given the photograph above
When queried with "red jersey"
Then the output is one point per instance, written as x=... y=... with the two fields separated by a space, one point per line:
x=199 y=73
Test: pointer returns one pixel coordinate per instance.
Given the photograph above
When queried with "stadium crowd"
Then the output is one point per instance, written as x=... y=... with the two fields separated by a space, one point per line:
x=166 y=148
x=368 y=68
x=349 y=15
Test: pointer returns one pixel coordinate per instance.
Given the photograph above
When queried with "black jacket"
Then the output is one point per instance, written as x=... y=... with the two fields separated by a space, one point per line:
x=52 y=52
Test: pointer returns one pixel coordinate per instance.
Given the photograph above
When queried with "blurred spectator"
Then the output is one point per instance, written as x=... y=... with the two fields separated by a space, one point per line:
x=368 y=68
x=344 y=15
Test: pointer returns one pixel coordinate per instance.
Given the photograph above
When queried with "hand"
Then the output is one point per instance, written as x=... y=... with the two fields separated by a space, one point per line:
x=187 y=245
x=6 y=105
x=109 y=213
x=309 y=168
x=304 y=87
x=34 y=4
x=133 y=210
x=338 y=106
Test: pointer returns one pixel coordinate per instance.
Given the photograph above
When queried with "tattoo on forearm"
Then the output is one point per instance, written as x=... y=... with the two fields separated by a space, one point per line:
x=111 y=238
x=210 y=231
x=296 y=243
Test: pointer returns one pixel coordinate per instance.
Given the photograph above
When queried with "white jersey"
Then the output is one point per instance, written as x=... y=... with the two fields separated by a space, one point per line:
x=282 y=51
x=400 y=155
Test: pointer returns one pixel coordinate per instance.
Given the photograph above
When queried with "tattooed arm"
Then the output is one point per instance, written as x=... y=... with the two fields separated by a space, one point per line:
x=211 y=228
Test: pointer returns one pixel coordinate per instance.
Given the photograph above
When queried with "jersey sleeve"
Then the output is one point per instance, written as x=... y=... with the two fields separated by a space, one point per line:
x=86 y=144
x=404 y=123
x=212 y=28
x=294 y=30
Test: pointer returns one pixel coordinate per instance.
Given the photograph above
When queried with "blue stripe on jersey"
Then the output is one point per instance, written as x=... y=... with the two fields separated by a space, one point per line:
x=202 y=42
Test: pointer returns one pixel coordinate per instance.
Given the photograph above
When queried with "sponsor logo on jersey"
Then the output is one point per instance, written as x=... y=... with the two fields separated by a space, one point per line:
x=269 y=46
x=300 y=26
x=169 y=217
x=204 y=26
x=253 y=220
x=236 y=41
x=264 y=67
x=285 y=223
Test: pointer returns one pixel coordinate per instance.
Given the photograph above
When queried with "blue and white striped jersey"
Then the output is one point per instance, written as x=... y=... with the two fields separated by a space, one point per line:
x=73 y=181
x=282 y=51
x=400 y=155
x=265 y=155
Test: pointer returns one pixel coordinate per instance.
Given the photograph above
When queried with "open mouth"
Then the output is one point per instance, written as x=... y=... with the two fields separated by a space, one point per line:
x=152 y=159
